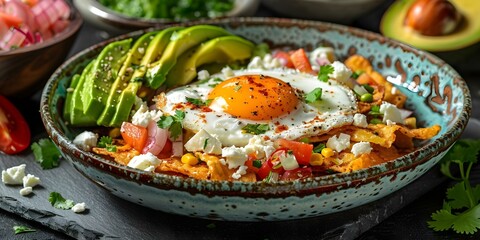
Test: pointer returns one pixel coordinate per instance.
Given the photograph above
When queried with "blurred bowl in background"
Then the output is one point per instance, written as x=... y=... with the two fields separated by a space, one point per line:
x=338 y=11
x=25 y=70
x=115 y=22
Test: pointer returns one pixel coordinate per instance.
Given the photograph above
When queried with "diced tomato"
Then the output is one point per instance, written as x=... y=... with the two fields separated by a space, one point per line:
x=272 y=164
x=134 y=135
x=364 y=78
x=300 y=61
x=249 y=163
x=10 y=20
x=284 y=58
x=14 y=130
x=166 y=151
x=302 y=151
x=298 y=173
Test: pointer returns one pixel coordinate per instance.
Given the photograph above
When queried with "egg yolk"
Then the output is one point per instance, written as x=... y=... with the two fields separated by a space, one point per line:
x=256 y=97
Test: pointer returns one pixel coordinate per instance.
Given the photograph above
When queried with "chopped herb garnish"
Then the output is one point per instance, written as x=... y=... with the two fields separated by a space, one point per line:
x=199 y=102
x=304 y=140
x=461 y=209
x=376 y=121
x=256 y=128
x=356 y=74
x=314 y=95
x=324 y=71
x=205 y=143
x=46 y=153
x=22 y=229
x=57 y=201
x=319 y=148
x=368 y=88
x=172 y=123
x=257 y=163
x=106 y=142
x=138 y=79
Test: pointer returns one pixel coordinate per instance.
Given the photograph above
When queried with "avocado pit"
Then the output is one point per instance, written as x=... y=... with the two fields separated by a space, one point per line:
x=433 y=17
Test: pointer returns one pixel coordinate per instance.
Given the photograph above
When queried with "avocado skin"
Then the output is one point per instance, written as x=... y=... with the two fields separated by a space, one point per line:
x=127 y=98
x=134 y=58
x=103 y=74
x=218 y=50
x=76 y=117
x=180 y=43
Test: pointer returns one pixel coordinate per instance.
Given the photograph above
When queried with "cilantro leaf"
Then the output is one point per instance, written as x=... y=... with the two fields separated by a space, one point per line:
x=46 y=153
x=467 y=222
x=314 y=95
x=256 y=128
x=22 y=229
x=319 y=148
x=324 y=71
x=106 y=142
x=173 y=123
x=57 y=201
x=461 y=210
x=199 y=102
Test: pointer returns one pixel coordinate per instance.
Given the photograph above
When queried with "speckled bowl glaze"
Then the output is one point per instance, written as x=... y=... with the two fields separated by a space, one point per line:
x=435 y=91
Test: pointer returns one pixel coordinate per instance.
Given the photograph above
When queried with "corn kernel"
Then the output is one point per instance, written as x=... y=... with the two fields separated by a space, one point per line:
x=114 y=133
x=189 y=159
x=316 y=159
x=327 y=152
x=411 y=122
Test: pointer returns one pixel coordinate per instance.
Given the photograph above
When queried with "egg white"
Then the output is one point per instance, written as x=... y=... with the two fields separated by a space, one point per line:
x=336 y=109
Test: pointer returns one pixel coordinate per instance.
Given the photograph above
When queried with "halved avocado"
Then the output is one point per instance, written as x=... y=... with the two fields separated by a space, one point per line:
x=466 y=34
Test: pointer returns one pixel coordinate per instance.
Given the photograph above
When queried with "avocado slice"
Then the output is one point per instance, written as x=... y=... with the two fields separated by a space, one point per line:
x=133 y=60
x=179 y=43
x=153 y=52
x=466 y=34
x=218 y=50
x=76 y=117
x=68 y=97
x=103 y=74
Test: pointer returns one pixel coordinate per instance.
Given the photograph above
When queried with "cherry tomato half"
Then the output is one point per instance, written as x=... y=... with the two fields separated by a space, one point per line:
x=302 y=151
x=14 y=130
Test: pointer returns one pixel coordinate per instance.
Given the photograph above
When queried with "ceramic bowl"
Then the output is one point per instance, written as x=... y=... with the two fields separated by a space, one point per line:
x=112 y=21
x=435 y=91
x=24 y=71
x=337 y=11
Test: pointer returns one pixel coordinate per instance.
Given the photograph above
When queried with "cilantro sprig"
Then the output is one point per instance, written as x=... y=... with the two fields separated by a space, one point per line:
x=107 y=142
x=461 y=209
x=58 y=201
x=199 y=102
x=46 y=153
x=314 y=95
x=324 y=71
x=22 y=229
x=256 y=128
x=173 y=123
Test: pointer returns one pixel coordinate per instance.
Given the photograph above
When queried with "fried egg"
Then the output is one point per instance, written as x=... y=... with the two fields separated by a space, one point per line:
x=256 y=96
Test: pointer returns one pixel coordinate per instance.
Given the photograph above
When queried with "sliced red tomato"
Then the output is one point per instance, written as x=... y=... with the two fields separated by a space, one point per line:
x=284 y=58
x=134 y=135
x=302 y=151
x=272 y=164
x=14 y=130
x=298 y=173
x=300 y=61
